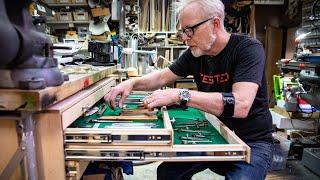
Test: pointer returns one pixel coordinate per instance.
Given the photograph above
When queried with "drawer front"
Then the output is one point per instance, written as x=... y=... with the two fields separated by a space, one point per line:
x=75 y=111
x=209 y=153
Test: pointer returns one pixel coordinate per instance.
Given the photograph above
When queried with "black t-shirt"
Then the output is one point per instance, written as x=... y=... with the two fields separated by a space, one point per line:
x=242 y=60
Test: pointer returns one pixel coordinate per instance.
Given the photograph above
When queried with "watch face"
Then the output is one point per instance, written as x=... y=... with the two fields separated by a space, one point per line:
x=185 y=95
x=230 y=100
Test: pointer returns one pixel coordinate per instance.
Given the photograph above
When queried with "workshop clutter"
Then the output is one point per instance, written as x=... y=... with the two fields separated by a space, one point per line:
x=65 y=1
x=71 y=16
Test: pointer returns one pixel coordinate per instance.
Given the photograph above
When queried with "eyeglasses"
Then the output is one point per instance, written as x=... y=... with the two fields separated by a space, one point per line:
x=189 y=31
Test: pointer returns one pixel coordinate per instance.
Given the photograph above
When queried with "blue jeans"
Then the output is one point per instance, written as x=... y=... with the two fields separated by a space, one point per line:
x=260 y=162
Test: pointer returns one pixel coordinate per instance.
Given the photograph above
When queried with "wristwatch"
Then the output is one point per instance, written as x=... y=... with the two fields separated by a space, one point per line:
x=228 y=104
x=184 y=96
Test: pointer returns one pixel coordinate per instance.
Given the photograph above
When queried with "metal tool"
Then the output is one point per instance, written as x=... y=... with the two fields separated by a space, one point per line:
x=191 y=138
x=197 y=125
x=91 y=111
x=191 y=131
x=134 y=124
x=193 y=122
x=195 y=142
x=199 y=135
x=131 y=100
x=102 y=109
x=107 y=121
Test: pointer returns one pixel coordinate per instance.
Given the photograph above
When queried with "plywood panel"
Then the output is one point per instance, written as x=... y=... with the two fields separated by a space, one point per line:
x=49 y=146
x=273 y=49
x=9 y=144
x=290 y=45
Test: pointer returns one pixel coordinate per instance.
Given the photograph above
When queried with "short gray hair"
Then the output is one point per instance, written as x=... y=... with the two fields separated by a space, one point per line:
x=210 y=8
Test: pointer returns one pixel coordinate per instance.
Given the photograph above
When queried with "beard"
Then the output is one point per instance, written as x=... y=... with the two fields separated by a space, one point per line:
x=203 y=49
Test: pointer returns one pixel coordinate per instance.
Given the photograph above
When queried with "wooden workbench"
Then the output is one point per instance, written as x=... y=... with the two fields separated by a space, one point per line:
x=37 y=100
x=80 y=91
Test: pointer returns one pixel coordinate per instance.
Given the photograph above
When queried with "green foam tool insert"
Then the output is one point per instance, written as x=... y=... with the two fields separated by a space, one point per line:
x=180 y=116
x=189 y=115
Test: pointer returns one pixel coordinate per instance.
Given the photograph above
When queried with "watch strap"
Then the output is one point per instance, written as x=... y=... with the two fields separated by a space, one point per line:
x=228 y=104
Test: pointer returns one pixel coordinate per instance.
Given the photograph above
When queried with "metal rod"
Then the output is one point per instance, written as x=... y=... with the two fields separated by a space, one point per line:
x=28 y=129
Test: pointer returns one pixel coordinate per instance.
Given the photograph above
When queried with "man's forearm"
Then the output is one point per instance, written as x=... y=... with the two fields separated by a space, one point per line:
x=208 y=102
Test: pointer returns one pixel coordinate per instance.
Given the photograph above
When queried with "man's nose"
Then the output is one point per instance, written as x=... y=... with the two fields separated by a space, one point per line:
x=185 y=38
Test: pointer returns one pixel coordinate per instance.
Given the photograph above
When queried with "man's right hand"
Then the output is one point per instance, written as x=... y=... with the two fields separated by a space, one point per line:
x=123 y=89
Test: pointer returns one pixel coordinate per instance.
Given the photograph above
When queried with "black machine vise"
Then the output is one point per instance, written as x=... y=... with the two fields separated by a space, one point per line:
x=26 y=60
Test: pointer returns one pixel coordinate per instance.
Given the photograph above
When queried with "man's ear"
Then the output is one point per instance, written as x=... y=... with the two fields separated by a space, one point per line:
x=216 y=22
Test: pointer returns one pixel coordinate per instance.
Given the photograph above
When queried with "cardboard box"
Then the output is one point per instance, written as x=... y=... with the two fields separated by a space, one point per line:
x=79 y=1
x=64 y=16
x=50 y=1
x=80 y=16
x=52 y=18
x=96 y=12
x=64 y=1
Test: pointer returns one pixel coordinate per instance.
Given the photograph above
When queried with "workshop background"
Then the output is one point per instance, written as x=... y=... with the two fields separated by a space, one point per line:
x=82 y=48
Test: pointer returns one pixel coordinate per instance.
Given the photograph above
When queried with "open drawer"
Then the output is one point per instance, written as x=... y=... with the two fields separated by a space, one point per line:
x=127 y=126
x=194 y=136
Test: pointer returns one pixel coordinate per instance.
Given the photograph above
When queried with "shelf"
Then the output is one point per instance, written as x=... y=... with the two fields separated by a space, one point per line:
x=68 y=22
x=71 y=5
x=174 y=47
x=158 y=32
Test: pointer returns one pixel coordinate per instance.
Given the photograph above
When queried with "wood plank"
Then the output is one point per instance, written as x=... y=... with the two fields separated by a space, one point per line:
x=290 y=44
x=72 y=100
x=49 y=146
x=273 y=48
x=37 y=100
x=252 y=32
x=126 y=118
x=10 y=143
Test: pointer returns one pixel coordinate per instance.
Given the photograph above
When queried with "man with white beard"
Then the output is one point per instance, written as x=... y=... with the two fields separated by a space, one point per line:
x=229 y=72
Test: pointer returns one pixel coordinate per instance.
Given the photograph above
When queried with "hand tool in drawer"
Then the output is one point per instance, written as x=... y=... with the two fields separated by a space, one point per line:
x=128 y=118
x=115 y=130
x=102 y=109
x=131 y=100
x=89 y=112
x=133 y=112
